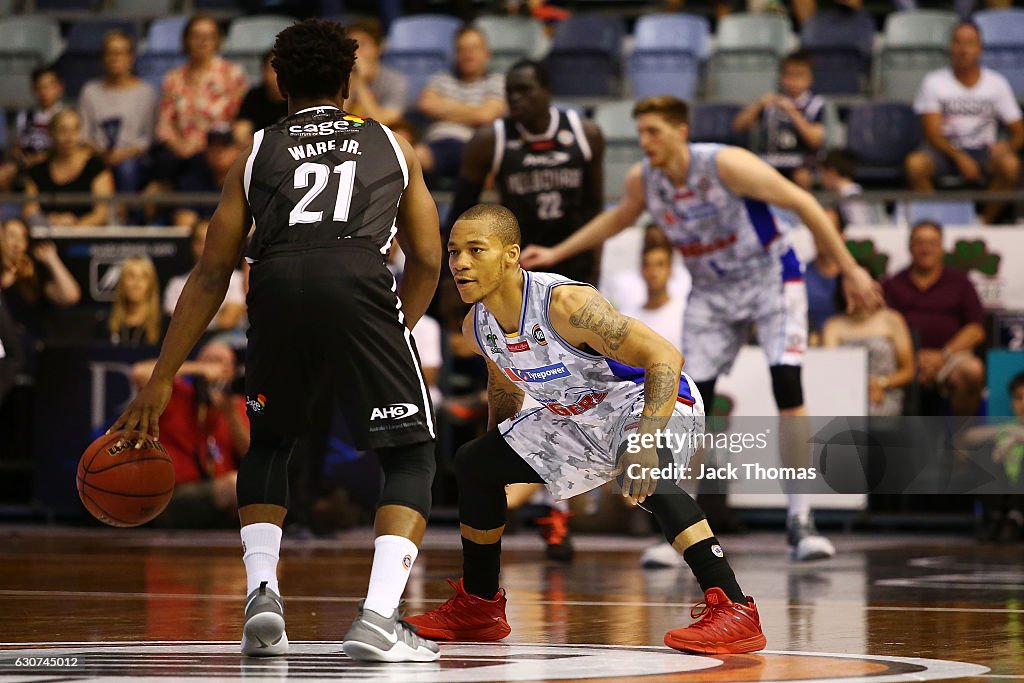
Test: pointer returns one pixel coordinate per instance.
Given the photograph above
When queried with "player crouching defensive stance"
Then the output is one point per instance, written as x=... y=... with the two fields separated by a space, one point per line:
x=600 y=377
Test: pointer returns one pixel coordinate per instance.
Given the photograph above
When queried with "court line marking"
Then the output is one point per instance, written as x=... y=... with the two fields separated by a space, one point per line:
x=519 y=601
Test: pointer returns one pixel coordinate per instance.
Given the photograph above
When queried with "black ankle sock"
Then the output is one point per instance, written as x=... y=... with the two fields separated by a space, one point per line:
x=708 y=564
x=480 y=566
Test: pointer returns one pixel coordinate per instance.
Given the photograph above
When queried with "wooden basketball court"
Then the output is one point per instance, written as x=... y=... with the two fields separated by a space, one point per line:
x=118 y=605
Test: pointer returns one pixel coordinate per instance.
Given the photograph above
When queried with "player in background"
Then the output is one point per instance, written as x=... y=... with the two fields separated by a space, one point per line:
x=327 y=192
x=712 y=202
x=604 y=381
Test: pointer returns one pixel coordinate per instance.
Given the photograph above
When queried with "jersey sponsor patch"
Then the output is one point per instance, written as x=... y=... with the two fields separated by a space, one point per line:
x=518 y=347
x=547 y=373
x=538 y=335
x=581 y=406
x=395 y=411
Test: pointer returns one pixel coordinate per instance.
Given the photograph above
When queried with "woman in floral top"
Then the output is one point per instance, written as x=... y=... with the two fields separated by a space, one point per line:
x=206 y=91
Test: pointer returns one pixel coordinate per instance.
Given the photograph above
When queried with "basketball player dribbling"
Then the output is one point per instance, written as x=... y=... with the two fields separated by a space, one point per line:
x=327 y=192
x=712 y=202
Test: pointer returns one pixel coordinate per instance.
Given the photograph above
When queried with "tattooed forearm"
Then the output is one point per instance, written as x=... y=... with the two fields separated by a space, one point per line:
x=502 y=402
x=598 y=316
x=661 y=385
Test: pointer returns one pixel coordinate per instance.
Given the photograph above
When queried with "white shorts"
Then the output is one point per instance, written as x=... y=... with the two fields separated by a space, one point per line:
x=718 y=319
x=573 y=458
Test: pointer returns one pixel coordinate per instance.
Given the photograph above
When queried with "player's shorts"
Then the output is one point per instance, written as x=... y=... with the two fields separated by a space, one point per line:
x=573 y=458
x=718 y=320
x=325 y=323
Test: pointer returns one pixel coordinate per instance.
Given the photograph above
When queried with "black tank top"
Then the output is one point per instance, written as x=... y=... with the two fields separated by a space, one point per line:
x=321 y=175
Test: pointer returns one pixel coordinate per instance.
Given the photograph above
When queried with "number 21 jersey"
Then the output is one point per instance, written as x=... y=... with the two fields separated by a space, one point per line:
x=321 y=175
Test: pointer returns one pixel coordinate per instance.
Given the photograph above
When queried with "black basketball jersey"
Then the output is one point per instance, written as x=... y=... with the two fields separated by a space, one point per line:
x=321 y=175
x=541 y=177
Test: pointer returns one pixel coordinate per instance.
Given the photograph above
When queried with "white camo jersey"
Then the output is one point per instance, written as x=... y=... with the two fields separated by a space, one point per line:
x=720 y=235
x=589 y=403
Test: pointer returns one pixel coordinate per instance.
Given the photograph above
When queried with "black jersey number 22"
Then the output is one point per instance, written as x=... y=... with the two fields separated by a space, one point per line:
x=320 y=174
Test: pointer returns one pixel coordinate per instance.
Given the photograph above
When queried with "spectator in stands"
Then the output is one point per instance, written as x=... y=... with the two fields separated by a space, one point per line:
x=961 y=107
x=837 y=170
x=821 y=277
x=119 y=112
x=32 y=126
x=206 y=432
x=264 y=105
x=232 y=310
x=135 y=317
x=790 y=121
x=33 y=278
x=71 y=168
x=11 y=358
x=375 y=91
x=461 y=101
x=943 y=310
x=885 y=335
x=662 y=311
x=427 y=334
x=205 y=91
x=222 y=149
x=627 y=290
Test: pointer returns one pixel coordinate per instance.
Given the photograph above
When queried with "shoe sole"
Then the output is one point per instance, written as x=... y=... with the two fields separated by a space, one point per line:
x=399 y=652
x=264 y=636
x=482 y=635
x=739 y=647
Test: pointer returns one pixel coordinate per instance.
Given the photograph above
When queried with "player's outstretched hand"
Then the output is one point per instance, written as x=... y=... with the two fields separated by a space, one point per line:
x=636 y=470
x=141 y=418
x=535 y=257
x=863 y=292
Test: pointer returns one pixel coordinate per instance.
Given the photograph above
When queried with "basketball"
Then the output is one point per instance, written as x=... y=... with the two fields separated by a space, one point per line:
x=124 y=486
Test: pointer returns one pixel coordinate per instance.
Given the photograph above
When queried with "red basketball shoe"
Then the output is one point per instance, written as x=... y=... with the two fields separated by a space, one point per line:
x=724 y=627
x=464 y=617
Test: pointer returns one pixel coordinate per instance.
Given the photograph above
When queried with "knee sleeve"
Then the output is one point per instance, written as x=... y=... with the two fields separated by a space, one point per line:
x=483 y=467
x=675 y=512
x=408 y=476
x=263 y=472
x=787 y=387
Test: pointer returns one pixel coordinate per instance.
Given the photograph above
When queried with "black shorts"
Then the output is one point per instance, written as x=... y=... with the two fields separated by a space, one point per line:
x=324 y=322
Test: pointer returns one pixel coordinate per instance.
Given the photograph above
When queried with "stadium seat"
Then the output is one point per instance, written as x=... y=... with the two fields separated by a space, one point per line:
x=880 y=135
x=915 y=43
x=712 y=122
x=748 y=31
x=1002 y=33
x=667 y=52
x=584 y=57
x=419 y=46
x=65 y=5
x=956 y=212
x=140 y=8
x=249 y=38
x=165 y=34
x=622 y=149
x=840 y=43
x=512 y=39
x=153 y=66
x=81 y=60
x=28 y=41
x=740 y=75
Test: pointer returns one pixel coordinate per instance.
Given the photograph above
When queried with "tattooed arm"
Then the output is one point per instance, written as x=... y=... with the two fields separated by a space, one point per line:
x=585 y=319
x=504 y=399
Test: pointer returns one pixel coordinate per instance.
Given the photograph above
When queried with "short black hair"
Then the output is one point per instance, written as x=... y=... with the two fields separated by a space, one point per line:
x=313 y=59
x=926 y=223
x=840 y=161
x=800 y=57
x=1016 y=383
x=41 y=71
x=540 y=72
x=501 y=221
x=960 y=24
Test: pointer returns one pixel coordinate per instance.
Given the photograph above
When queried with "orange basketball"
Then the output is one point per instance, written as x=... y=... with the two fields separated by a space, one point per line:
x=122 y=485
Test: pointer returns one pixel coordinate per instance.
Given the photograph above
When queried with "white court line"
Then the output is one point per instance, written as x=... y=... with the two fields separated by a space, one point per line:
x=518 y=601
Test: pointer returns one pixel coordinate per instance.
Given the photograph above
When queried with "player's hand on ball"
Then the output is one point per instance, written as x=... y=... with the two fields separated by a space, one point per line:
x=535 y=257
x=863 y=292
x=636 y=469
x=142 y=416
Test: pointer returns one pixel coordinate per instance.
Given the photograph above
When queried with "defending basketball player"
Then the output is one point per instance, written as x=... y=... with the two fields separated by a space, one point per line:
x=601 y=378
x=712 y=202
x=327 y=193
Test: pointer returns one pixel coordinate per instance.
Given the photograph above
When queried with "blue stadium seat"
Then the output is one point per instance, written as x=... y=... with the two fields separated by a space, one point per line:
x=153 y=66
x=584 y=57
x=712 y=122
x=81 y=59
x=668 y=49
x=1002 y=33
x=880 y=135
x=956 y=212
x=840 y=43
x=420 y=45
x=165 y=34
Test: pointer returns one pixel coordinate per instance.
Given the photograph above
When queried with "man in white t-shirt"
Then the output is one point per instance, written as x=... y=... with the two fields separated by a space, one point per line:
x=961 y=107
x=232 y=309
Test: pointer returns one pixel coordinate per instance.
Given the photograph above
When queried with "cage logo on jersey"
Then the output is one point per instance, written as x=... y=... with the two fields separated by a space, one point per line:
x=395 y=411
x=256 y=405
x=581 y=406
x=492 y=341
x=326 y=127
x=538 y=335
x=547 y=373
x=518 y=347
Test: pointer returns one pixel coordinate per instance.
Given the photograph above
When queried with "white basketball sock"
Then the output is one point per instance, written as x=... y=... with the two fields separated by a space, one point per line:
x=261 y=548
x=393 y=557
x=799 y=506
